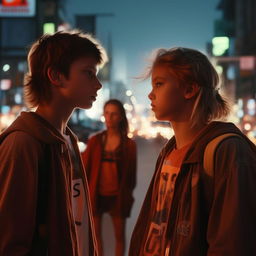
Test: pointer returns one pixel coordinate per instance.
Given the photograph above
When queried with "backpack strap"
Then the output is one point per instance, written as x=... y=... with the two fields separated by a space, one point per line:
x=210 y=150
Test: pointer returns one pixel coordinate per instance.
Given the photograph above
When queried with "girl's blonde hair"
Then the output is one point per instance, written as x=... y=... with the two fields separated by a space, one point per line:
x=193 y=67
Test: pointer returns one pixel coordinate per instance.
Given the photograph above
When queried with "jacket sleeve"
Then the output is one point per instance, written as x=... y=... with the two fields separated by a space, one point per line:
x=87 y=157
x=133 y=165
x=19 y=154
x=232 y=219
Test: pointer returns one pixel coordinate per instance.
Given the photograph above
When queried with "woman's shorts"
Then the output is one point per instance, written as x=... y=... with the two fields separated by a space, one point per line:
x=106 y=204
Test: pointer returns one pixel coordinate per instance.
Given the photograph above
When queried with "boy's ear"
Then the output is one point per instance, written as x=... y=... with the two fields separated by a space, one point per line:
x=191 y=90
x=54 y=76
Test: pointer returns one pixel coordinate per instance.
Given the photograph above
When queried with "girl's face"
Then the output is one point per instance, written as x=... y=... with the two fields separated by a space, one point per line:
x=167 y=97
x=112 y=116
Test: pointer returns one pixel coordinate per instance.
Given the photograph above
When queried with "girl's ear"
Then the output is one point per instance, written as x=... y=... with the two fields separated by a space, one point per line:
x=54 y=76
x=191 y=90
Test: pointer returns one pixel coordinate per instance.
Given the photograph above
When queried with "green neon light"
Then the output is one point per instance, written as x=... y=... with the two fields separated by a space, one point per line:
x=220 y=45
x=49 y=28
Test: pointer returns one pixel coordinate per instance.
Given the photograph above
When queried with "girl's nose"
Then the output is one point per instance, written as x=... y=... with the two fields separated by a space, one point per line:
x=150 y=95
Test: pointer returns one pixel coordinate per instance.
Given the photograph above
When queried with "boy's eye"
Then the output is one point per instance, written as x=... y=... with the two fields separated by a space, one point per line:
x=90 y=73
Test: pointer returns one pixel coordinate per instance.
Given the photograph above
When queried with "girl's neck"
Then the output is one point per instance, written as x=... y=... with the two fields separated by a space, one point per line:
x=184 y=133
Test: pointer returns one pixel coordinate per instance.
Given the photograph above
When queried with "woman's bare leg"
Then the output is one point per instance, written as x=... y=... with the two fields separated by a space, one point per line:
x=98 y=230
x=119 y=230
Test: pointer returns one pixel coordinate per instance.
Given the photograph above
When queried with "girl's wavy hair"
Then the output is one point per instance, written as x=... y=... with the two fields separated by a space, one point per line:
x=191 y=66
x=57 y=51
x=123 y=125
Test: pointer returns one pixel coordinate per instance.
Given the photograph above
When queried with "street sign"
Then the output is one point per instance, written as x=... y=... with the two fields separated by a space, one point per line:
x=17 y=8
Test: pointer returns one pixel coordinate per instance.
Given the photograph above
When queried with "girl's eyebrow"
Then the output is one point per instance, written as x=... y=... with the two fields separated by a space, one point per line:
x=158 y=77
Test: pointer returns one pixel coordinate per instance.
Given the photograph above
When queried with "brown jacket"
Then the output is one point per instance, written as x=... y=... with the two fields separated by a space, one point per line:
x=213 y=217
x=31 y=147
x=126 y=168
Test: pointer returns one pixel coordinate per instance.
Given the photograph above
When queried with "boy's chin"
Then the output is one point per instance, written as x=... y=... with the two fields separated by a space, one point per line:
x=87 y=106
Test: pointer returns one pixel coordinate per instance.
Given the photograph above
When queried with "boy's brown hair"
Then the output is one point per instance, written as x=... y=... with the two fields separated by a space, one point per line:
x=57 y=51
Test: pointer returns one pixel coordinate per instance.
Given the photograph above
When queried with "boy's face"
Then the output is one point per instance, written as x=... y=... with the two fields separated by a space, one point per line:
x=81 y=86
x=167 y=97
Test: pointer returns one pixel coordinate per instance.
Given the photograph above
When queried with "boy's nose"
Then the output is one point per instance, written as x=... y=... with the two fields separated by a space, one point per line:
x=98 y=85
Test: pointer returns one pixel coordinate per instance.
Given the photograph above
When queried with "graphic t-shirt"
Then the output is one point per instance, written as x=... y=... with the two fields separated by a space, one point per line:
x=155 y=244
x=79 y=204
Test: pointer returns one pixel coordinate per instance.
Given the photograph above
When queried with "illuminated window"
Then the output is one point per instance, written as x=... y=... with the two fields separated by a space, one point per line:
x=6 y=67
x=49 y=28
x=220 y=45
x=5 y=84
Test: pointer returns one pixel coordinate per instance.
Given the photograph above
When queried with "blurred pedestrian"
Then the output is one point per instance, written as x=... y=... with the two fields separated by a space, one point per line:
x=110 y=164
x=44 y=198
x=189 y=210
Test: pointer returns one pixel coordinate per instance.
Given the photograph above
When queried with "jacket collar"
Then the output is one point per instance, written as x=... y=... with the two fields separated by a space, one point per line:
x=38 y=127
x=196 y=151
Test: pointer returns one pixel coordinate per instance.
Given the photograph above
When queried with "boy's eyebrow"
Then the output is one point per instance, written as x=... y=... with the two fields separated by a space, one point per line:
x=91 y=67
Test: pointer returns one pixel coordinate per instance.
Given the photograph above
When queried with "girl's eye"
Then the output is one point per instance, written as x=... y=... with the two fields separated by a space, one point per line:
x=158 y=84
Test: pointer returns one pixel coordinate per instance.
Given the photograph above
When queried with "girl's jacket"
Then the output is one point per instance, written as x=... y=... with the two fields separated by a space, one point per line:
x=210 y=216
x=126 y=167
x=35 y=190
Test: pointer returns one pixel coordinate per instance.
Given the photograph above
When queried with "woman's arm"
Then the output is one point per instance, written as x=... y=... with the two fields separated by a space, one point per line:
x=133 y=165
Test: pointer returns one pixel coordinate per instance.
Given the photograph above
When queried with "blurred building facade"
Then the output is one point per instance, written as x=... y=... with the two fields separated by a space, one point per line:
x=234 y=51
x=21 y=23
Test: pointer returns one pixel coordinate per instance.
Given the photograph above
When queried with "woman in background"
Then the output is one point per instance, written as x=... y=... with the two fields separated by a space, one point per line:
x=110 y=163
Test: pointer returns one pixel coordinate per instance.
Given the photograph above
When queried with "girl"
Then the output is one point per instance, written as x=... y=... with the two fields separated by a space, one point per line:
x=186 y=212
x=110 y=163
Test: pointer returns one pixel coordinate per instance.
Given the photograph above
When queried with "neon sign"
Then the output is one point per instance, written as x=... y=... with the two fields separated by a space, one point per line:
x=17 y=8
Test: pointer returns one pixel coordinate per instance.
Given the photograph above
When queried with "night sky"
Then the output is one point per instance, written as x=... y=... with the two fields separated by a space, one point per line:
x=136 y=27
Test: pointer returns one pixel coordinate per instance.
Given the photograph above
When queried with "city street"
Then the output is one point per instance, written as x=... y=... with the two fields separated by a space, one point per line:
x=147 y=154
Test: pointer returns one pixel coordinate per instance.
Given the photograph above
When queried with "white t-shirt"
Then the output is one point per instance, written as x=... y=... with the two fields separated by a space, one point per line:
x=79 y=204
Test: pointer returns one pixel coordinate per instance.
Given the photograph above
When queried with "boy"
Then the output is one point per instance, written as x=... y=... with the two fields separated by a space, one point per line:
x=44 y=200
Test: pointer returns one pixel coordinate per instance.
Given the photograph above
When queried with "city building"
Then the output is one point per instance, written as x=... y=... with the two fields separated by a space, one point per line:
x=234 y=50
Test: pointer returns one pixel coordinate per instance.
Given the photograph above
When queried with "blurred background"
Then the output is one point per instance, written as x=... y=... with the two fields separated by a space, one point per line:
x=225 y=30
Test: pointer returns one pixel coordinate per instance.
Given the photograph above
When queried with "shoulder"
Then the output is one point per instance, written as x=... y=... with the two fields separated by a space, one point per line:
x=237 y=142
x=130 y=143
x=236 y=151
x=21 y=148
x=95 y=140
x=96 y=136
x=20 y=137
x=20 y=141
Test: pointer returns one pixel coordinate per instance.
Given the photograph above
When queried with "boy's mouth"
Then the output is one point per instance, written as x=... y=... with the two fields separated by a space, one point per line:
x=94 y=97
